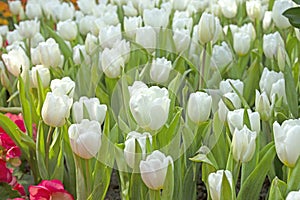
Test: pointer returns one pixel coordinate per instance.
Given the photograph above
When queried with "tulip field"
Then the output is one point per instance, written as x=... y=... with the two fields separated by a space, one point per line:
x=162 y=99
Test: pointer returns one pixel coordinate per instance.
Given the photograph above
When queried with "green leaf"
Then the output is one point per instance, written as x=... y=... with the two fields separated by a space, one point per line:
x=204 y=159
x=252 y=82
x=278 y=189
x=168 y=190
x=297 y=1
x=291 y=91
x=293 y=182
x=251 y=188
x=293 y=14
x=226 y=189
x=7 y=192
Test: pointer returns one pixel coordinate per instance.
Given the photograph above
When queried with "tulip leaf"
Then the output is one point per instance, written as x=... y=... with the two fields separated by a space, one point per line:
x=297 y=1
x=7 y=191
x=252 y=82
x=204 y=159
x=56 y=161
x=168 y=189
x=226 y=189
x=244 y=102
x=291 y=91
x=293 y=182
x=293 y=15
x=277 y=189
x=252 y=185
x=228 y=103
x=246 y=119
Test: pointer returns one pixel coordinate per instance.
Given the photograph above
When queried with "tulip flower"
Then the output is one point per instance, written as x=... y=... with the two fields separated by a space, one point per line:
x=182 y=20
x=207 y=28
x=181 y=39
x=267 y=79
x=85 y=138
x=243 y=144
x=13 y=36
x=131 y=24
x=64 y=86
x=109 y=35
x=67 y=29
x=221 y=56
x=154 y=169
x=223 y=110
x=278 y=8
x=86 y=6
x=160 y=70
x=228 y=8
x=156 y=18
x=241 y=43
x=33 y=10
x=146 y=36
x=262 y=105
x=286 y=139
x=64 y=11
x=226 y=87
x=15 y=7
x=271 y=44
x=255 y=10
x=236 y=120
x=129 y=10
x=29 y=28
x=95 y=110
x=215 y=182
x=3 y=30
x=293 y=195
x=90 y=44
x=56 y=109
x=267 y=20
x=49 y=189
x=80 y=55
x=129 y=150
x=199 y=107
x=112 y=62
x=149 y=106
x=44 y=74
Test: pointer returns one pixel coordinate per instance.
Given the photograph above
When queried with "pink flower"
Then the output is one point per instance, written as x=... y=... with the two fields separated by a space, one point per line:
x=5 y=173
x=49 y=189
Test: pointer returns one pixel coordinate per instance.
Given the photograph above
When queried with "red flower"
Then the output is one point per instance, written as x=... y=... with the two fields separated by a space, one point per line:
x=18 y=120
x=20 y=189
x=49 y=189
x=5 y=173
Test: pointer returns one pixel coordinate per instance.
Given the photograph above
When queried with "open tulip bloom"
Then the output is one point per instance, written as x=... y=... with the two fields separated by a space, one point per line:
x=161 y=94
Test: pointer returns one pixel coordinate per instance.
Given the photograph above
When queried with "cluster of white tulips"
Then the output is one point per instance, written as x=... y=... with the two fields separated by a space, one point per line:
x=156 y=89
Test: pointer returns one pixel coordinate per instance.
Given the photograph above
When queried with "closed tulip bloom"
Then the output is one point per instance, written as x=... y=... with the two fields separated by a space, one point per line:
x=263 y=105
x=160 y=70
x=91 y=44
x=248 y=29
x=241 y=43
x=3 y=30
x=215 y=180
x=129 y=150
x=64 y=11
x=112 y=62
x=223 y=110
x=199 y=107
x=254 y=10
x=85 y=138
x=49 y=53
x=28 y=28
x=287 y=137
x=182 y=20
x=123 y=48
x=87 y=24
x=146 y=36
x=228 y=8
x=226 y=87
x=267 y=79
x=33 y=10
x=130 y=10
x=67 y=30
x=243 y=144
x=15 y=61
x=44 y=74
x=149 y=106
x=278 y=8
x=235 y=120
x=267 y=20
x=207 y=28
x=15 y=7
x=156 y=18
x=293 y=195
x=95 y=110
x=131 y=24
x=271 y=43
x=109 y=35
x=56 y=109
x=80 y=55
x=154 y=170
x=181 y=39
x=64 y=86
x=13 y=36
x=221 y=56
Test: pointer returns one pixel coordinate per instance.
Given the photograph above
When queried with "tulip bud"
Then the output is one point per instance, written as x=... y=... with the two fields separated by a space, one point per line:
x=64 y=11
x=90 y=109
x=160 y=70
x=33 y=10
x=91 y=44
x=44 y=74
x=278 y=8
x=67 y=30
x=131 y=25
x=111 y=62
x=154 y=170
x=86 y=25
x=182 y=20
x=271 y=44
x=199 y=107
x=243 y=144
x=236 y=120
x=85 y=138
x=156 y=18
x=221 y=56
x=225 y=86
x=56 y=109
x=64 y=86
x=13 y=36
x=293 y=195
x=86 y=6
x=248 y=29
x=28 y=28
x=207 y=28
x=129 y=10
x=254 y=10
x=241 y=43
x=49 y=53
x=278 y=89
x=215 y=182
x=228 y=8
x=129 y=150
x=80 y=55
x=146 y=36
x=182 y=40
x=223 y=110
x=123 y=48
x=3 y=30
x=287 y=139
x=149 y=106
x=267 y=79
x=109 y=35
x=15 y=7
x=267 y=20
x=16 y=61
x=262 y=105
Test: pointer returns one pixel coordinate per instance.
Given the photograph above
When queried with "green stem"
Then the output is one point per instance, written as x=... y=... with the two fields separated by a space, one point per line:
x=202 y=72
x=154 y=194
x=290 y=171
x=88 y=177
x=48 y=142
x=236 y=171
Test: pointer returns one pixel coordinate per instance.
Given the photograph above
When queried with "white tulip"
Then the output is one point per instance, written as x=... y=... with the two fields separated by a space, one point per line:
x=267 y=79
x=33 y=10
x=215 y=181
x=150 y=106
x=223 y=110
x=56 y=109
x=86 y=6
x=286 y=139
x=64 y=11
x=254 y=10
x=44 y=74
x=207 y=28
x=199 y=107
x=95 y=110
x=180 y=4
x=37 y=38
x=221 y=56
x=156 y=18
x=131 y=24
x=91 y=44
x=263 y=105
x=129 y=10
x=123 y=48
x=80 y=55
x=49 y=53
x=243 y=144
x=248 y=29
x=112 y=62
x=241 y=43
x=160 y=70
x=271 y=43
x=228 y=8
x=15 y=7
x=226 y=87
x=28 y=28
x=16 y=61
x=3 y=30
x=110 y=35
x=182 y=20
x=181 y=39
x=267 y=20
x=87 y=24
x=278 y=8
x=85 y=138
x=67 y=30
x=278 y=89
x=154 y=170
x=64 y=86
x=235 y=120
x=13 y=36
x=129 y=150
x=293 y=195
x=146 y=36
